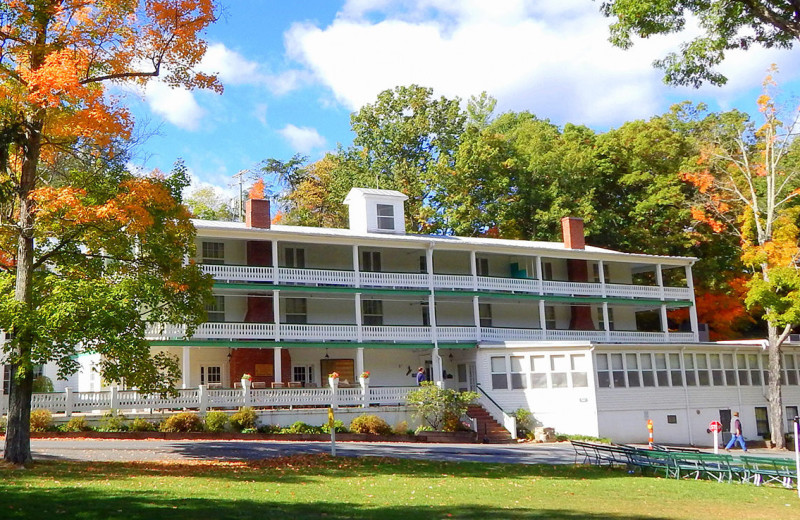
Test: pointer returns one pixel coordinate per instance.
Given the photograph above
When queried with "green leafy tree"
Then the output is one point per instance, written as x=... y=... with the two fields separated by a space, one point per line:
x=439 y=408
x=725 y=25
x=207 y=204
x=87 y=260
x=749 y=186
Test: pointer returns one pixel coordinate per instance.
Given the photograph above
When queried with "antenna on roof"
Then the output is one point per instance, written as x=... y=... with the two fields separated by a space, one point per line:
x=239 y=204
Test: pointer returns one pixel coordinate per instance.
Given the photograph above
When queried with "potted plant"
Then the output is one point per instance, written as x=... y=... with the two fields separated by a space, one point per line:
x=246 y=380
x=333 y=379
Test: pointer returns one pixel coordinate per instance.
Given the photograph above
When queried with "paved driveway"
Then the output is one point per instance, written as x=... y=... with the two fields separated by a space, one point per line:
x=148 y=450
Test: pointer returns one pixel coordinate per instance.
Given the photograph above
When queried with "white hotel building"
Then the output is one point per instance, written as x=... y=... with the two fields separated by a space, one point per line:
x=576 y=334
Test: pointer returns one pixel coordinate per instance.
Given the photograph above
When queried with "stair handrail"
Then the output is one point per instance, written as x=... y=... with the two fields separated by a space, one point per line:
x=509 y=420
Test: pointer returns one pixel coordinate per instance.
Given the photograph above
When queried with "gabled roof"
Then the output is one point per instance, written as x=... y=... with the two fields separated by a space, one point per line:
x=374 y=192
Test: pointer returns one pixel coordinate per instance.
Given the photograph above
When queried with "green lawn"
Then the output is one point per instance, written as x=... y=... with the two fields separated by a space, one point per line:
x=337 y=488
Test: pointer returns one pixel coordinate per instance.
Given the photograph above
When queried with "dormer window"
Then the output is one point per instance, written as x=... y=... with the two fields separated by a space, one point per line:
x=385 y=217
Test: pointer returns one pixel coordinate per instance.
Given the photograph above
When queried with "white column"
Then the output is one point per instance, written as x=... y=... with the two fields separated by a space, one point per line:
x=68 y=401
x=606 y=326
x=359 y=320
x=429 y=265
x=476 y=313
x=276 y=313
x=186 y=368
x=356 y=266
x=359 y=361
x=474 y=270
x=542 y=319
x=275 y=262
x=664 y=324
x=436 y=365
x=660 y=281
x=277 y=366
x=601 y=271
x=693 y=308
x=432 y=316
x=539 y=274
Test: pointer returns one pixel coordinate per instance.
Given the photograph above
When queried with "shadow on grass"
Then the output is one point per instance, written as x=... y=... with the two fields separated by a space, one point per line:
x=149 y=505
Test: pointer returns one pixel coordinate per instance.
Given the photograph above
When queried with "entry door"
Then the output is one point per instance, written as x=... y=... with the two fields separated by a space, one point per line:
x=725 y=419
x=467 y=377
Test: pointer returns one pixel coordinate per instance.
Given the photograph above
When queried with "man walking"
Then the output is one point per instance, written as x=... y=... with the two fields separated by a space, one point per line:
x=736 y=433
x=421 y=376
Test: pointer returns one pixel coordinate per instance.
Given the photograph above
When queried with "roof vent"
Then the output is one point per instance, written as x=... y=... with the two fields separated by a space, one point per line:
x=376 y=211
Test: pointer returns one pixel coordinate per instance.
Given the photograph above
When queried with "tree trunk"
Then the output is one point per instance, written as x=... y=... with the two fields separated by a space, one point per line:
x=774 y=398
x=18 y=436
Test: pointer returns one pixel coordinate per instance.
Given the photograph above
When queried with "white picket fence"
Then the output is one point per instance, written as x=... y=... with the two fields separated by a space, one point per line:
x=202 y=399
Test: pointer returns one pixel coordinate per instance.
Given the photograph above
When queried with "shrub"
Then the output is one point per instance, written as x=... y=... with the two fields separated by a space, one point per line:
x=42 y=384
x=244 y=419
x=423 y=428
x=77 y=424
x=562 y=437
x=371 y=424
x=111 y=422
x=400 y=428
x=300 y=428
x=439 y=408
x=182 y=422
x=41 y=420
x=142 y=425
x=2 y=424
x=338 y=427
x=525 y=422
x=270 y=429
x=216 y=421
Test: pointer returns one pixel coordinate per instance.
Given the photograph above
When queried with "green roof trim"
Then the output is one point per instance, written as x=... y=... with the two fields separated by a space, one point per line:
x=317 y=288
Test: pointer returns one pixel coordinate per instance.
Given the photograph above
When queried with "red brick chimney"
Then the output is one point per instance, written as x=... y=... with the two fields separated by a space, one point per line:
x=257 y=213
x=572 y=229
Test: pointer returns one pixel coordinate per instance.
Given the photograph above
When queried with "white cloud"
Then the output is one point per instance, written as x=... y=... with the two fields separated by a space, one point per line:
x=231 y=68
x=176 y=105
x=302 y=139
x=551 y=57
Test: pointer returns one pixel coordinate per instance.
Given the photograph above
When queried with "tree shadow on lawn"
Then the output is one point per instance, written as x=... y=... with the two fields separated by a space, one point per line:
x=87 y=504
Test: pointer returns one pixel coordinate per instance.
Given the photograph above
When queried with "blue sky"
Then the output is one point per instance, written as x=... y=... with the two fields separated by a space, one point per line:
x=293 y=71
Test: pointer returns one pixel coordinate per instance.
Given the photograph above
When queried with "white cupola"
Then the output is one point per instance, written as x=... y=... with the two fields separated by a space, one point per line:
x=376 y=211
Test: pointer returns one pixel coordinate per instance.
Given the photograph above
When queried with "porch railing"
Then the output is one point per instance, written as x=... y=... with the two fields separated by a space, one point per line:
x=202 y=399
x=337 y=277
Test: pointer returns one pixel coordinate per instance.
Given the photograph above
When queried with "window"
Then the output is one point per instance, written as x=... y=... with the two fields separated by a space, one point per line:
x=730 y=373
x=294 y=257
x=617 y=372
x=672 y=419
x=661 y=370
x=791 y=413
x=702 y=370
x=558 y=371
x=210 y=375
x=550 y=317
x=716 y=370
x=296 y=310
x=741 y=364
x=485 y=314
x=499 y=380
x=518 y=376
x=303 y=374
x=482 y=266
x=790 y=368
x=632 y=366
x=6 y=379
x=648 y=376
x=691 y=376
x=213 y=253
x=675 y=373
x=216 y=310
x=578 y=370
x=755 y=373
x=385 y=217
x=372 y=312
x=600 y=320
x=547 y=271
x=539 y=369
x=762 y=422
x=603 y=372
x=765 y=368
x=371 y=261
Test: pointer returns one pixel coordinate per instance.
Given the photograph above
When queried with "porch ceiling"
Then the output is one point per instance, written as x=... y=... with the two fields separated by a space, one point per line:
x=304 y=344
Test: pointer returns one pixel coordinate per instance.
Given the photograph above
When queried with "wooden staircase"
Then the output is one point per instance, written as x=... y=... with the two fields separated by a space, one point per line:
x=489 y=430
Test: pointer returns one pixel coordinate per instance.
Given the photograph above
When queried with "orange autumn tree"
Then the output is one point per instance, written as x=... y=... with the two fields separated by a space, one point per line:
x=749 y=181
x=89 y=254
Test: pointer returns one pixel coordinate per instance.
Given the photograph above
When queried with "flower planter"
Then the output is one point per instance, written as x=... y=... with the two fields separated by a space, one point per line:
x=333 y=382
x=449 y=437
